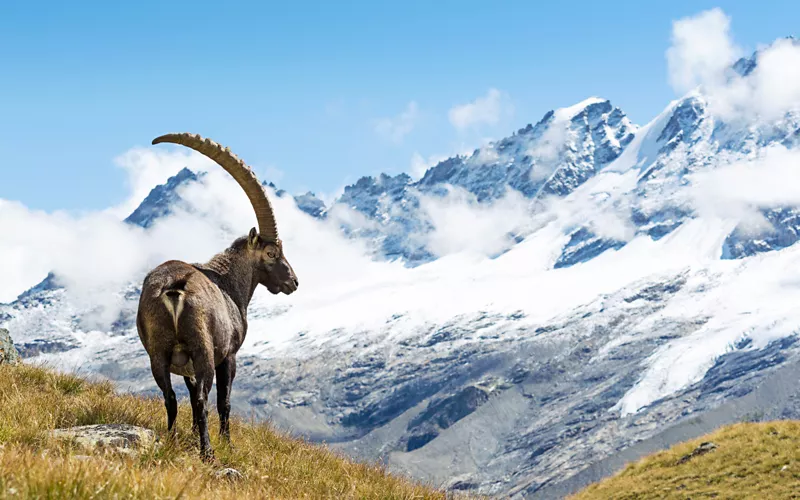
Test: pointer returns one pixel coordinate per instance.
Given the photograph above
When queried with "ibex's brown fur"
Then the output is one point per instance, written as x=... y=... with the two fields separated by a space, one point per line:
x=192 y=318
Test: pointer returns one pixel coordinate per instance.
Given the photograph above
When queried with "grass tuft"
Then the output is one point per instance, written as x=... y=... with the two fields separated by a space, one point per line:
x=35 y=400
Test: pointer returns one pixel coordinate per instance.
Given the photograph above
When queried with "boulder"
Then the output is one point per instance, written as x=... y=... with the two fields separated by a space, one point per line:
x=8 y=353
x=107 y=437
x=229 y=474
x=700 y=450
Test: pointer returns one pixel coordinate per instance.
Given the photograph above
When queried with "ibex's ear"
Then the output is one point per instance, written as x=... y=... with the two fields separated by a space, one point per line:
x=252 y=238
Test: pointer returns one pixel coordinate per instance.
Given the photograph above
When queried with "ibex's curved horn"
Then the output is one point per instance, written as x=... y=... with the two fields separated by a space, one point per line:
x=239 y=170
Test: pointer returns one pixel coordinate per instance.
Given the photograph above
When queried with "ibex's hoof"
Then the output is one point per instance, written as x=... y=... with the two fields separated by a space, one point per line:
x=207 y=456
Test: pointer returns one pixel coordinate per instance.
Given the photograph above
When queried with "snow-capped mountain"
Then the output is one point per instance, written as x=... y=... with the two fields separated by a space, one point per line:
x=635 y=299
x=564 y=149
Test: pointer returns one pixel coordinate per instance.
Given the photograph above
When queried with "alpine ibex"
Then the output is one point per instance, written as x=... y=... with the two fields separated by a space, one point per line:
x=192 y=318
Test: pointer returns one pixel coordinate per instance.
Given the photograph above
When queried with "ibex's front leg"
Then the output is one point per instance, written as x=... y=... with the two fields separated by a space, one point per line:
x=226 y=371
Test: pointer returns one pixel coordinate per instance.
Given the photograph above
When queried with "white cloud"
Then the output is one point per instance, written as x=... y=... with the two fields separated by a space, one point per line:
x=772 y=89
x=739 y=189
x=550 y=145
x=606 y=215
x=486 y=154
x=702 y=50
x=94 y=254
x=488 y=110
x=461 y=224
x=702 y=54
x=397 y=128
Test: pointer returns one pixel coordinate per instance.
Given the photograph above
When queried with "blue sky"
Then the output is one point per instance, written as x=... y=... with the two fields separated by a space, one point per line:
x=315 y=94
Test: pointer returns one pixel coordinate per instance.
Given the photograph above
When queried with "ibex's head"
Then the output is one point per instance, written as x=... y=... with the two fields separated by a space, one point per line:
x=274 y=271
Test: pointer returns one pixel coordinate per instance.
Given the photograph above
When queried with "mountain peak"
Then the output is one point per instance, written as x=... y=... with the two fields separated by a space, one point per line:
x=161 y=199
x=570 y=112
x=310 y=204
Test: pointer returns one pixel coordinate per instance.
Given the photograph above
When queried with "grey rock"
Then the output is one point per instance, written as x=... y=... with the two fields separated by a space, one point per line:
x=120 y=438
x=8 y=353
x=43 y=346
x=700 y=450
x=228 y=474
x=584 y=245
x=442 y=413
x=783 y=230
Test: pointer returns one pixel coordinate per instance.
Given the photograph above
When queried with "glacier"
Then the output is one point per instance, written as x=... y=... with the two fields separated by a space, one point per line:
x=609 y=301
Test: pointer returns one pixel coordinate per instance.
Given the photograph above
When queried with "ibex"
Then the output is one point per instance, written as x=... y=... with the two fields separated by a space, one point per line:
x=192 y=318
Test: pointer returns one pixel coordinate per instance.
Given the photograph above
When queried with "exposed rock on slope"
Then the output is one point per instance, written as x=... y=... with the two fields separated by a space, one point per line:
x=8 y=353
x=121 y=438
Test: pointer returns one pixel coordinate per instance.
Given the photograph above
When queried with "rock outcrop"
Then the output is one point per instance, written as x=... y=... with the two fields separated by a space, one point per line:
x=121 y=438
x=8 y=353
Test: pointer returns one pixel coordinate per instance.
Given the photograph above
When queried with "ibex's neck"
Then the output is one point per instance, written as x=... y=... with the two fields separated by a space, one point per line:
x=233 y=271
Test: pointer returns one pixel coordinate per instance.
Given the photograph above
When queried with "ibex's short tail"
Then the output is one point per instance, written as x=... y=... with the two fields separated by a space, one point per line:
x=173 y=298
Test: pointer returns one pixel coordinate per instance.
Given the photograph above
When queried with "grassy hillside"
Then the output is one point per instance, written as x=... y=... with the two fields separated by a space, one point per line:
x=753 y=460
x=35 y=400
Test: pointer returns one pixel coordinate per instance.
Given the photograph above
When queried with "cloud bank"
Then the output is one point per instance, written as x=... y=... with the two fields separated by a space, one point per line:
x=96 y=256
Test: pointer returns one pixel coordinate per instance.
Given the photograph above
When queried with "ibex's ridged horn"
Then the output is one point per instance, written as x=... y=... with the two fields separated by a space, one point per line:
x=239 y=170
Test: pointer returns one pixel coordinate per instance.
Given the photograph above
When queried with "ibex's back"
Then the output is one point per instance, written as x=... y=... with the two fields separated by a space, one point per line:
x=192 y=318
x=185 y=316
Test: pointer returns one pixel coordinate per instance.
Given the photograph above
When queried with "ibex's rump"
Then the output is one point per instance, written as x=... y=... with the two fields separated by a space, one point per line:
x=192 y=318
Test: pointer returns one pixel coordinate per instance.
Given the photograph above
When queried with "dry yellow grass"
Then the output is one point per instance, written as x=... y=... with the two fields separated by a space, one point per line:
x=35 y=400
x=752 y=461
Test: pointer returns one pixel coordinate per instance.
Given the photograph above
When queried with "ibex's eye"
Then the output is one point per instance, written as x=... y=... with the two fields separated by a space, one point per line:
x=271 y=254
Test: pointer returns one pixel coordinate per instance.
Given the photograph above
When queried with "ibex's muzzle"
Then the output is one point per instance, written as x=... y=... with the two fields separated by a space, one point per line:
x=283 y=278
x=290 y=286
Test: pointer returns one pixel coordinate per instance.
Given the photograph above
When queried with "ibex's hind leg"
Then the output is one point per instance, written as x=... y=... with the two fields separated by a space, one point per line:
x=204 y=375
x=226 y=371
x=192 y=387
x=160 y=368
